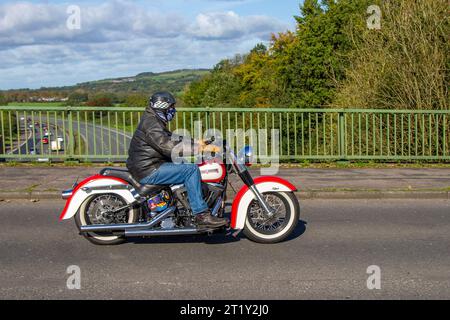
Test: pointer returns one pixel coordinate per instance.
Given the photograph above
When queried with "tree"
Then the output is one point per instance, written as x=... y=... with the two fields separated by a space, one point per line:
x=299 y=69
x=317 y=61
x=405 y=64
x=77 y=99
x=260 y=48
x=220 y=88
x=100 y=100
x=195 y=91
x=223 y=90
x=258 y=85
x=136 y=100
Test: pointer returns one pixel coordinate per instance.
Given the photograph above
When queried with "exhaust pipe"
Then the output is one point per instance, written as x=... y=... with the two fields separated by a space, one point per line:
x=162 y=232
x=125 y=227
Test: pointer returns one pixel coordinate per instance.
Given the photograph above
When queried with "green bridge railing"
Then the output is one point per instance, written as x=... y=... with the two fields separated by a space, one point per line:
x=103 y=134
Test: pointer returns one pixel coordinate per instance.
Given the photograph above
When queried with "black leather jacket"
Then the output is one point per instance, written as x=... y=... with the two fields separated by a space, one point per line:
x=151 y=146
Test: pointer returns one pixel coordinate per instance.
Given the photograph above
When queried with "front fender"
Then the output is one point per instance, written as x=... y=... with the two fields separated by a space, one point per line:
x=79 y=195
x=245 y=196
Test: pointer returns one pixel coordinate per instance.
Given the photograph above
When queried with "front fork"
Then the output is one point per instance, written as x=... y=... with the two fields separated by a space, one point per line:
x=248 y=180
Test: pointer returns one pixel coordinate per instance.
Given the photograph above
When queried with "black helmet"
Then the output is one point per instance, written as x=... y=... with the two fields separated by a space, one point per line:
x=162 y=101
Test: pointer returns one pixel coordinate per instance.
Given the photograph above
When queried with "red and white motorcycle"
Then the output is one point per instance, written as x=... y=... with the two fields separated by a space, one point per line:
x=112 y=206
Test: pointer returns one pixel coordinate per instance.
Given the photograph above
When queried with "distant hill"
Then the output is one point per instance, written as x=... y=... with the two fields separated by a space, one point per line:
x=147 y=82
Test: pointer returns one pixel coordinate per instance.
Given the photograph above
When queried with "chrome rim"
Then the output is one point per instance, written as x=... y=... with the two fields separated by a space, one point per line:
x=259 y=220
x=99 y=209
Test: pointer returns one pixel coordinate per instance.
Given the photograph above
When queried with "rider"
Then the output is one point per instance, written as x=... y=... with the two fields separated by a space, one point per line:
x=150 y=157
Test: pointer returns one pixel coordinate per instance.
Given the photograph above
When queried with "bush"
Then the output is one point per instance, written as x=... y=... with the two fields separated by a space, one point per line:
x=405 y=65
x=136 y=100
x=99 y=102
x=77 y=99
x=3 y=101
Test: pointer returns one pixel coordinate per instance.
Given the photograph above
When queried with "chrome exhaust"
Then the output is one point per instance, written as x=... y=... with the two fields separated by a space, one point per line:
x=163 y=232
x=130 y=226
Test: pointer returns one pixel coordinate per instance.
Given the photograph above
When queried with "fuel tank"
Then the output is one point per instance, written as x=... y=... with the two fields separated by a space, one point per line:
x=212 y=172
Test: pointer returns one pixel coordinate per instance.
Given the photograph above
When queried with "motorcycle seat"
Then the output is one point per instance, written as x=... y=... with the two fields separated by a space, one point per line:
x=143 y=190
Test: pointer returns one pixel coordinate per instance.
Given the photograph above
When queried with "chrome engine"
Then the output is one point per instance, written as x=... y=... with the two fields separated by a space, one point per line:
x=168 y=223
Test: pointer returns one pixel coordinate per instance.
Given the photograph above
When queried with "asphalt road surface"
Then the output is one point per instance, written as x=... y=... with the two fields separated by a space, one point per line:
x=327 y=258
x=108 y=141
x=99 y=140
x=34 y=141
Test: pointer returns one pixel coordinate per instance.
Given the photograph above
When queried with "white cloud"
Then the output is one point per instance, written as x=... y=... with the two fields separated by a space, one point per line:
x=117 y=38
x=228 y=25
x=27 y=23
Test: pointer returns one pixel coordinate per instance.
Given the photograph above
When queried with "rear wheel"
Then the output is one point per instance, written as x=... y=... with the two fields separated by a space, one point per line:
x=95 y=210
x=263 y=229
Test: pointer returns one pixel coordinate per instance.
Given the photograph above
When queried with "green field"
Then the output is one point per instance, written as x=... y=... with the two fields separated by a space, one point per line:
x=37 y=104
x=143 y=84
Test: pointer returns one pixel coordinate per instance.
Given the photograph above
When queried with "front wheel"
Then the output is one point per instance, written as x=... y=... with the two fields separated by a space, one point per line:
x=263 y=229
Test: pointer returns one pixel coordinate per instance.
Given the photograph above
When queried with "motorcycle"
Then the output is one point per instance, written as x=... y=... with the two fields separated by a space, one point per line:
x=112 y=206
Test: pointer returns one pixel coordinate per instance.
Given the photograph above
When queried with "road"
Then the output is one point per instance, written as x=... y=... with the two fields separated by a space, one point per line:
x=34 y=142
x=99 y=140
x=326 y=259
x=105 y=141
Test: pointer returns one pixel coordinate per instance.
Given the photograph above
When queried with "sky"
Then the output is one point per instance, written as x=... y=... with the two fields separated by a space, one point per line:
x=56 y=43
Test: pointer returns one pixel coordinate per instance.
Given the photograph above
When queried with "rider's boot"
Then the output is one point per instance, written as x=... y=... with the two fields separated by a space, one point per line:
x=206 y=220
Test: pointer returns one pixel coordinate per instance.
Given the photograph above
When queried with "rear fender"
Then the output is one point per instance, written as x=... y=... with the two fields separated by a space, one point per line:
x=245 y=196
x=81 y=193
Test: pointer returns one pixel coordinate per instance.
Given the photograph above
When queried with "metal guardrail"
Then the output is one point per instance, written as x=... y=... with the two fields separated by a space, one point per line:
x=104 y=134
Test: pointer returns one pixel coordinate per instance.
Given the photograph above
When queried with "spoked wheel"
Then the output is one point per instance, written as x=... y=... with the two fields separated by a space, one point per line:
x=259 y=227
x=97 y=210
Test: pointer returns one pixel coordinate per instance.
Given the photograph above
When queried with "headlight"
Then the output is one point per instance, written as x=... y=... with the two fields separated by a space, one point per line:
x=246 y=156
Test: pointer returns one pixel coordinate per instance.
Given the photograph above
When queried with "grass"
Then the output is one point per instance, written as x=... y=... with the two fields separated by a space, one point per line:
x=80 y=144
x=32 y=188
x=364 y=164
x=37 y=104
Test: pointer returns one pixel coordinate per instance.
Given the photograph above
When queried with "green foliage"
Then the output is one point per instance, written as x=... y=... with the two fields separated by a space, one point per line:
x=405 y=64
x=77 y=99
x=334 y=60
x=195 y=92
x=260 y=48
x=299 y=69
x=317 y=59
x=218 y=89
x=3 y=100
x=114 y=98
x=136 y=100
x=9 y=129
x=40 y=104
x=145 y=83
x=101 y=100
x=141 y=84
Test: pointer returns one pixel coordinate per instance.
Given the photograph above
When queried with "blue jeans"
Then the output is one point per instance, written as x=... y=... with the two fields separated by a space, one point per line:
x=187 y=174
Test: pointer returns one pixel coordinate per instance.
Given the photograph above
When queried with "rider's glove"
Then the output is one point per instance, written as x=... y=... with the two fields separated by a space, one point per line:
x=210 y=148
